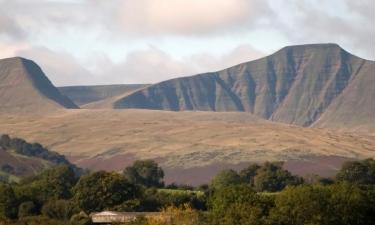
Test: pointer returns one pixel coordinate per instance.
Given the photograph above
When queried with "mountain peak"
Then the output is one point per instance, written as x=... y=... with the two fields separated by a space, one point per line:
x=24 y=87
x=296 y=85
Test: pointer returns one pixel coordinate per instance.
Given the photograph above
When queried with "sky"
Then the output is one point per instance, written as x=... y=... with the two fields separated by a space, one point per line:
x=91 y=42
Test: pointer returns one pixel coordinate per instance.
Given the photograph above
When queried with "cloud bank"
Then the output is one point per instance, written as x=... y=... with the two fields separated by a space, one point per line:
x=123 y=41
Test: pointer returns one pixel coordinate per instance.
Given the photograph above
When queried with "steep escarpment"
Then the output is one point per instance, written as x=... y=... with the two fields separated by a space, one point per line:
x=295 y=85
x=25 y=88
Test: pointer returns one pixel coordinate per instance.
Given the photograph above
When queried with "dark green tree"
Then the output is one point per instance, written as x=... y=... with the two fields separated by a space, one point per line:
x=146 y=173
x=55 y=183
x=272 y=177
x=225 y=178
x=247 y=175
x=103 y=190
x=359 y=172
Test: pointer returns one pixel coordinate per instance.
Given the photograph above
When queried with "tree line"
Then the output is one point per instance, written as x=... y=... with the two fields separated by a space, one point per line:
x=259 y=194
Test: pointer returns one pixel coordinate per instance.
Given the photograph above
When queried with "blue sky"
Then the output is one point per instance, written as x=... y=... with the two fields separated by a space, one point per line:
x=145 y=41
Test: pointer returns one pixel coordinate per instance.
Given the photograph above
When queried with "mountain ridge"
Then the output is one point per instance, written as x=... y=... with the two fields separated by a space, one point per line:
x=294 y=85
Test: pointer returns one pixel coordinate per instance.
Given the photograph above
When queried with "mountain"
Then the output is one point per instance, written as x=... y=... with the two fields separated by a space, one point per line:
x=25 y=88
x=301 y=85
x=82 y=95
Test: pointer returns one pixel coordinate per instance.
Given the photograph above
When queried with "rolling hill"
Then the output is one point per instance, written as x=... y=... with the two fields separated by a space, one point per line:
x=25 y=88
x=304 y=85
x=82 y=95
x=191 y=146
x=21 y=159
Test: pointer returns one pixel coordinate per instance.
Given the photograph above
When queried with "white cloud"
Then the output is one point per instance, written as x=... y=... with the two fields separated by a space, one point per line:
x=189 y=17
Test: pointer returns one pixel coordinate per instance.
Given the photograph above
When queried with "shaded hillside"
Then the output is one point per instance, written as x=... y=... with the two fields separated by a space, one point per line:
x=19 y=158
x=295 y=85
x=82 y=95
x=25 y=88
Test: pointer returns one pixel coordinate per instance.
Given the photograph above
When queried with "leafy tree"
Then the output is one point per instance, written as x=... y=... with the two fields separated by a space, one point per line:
x=27 y=209
x=8 y=202
x=359 y=172
x=351 y=205
x=225 y=178
x=146 y=173
x=272 y=177
x=101 y=190
x=247 y=175
x=238 y=205
x=55 y=183
x=301 y=205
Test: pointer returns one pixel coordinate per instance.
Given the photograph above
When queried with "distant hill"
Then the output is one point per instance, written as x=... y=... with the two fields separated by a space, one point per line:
x=82 y=95
x=190 y=146
x=19 y=158
x=25 y=88
x=302 y=85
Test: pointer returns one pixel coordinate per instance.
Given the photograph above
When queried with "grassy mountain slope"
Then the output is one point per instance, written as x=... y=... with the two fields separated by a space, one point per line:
x=25 y=88
x=296 y=85
x=112 y=139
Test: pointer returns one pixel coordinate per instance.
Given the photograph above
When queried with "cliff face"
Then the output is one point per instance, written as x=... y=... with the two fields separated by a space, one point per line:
x=25 y=88
x=295 y=85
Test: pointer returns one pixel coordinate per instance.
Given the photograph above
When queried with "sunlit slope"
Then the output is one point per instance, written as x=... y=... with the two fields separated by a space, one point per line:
x=25 y=88
x=180 y=139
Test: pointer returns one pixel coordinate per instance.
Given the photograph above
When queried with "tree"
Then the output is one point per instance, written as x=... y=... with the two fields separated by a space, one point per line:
x=272 y=177
x=226 y=178
x=351 y=205
x=238 y=205
x=301 y=205
x=247 y=175
x=146 y=173
x=8 y=202
x=55 y=183
x=103 y=190
x=359 y=172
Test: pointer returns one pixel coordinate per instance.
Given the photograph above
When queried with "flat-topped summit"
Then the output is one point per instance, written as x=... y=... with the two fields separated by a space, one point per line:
x=24 y=87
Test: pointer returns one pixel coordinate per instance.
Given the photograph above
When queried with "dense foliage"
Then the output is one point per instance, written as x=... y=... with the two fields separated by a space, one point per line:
x=58 y=196
x=269 y=177
x=145 y=173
